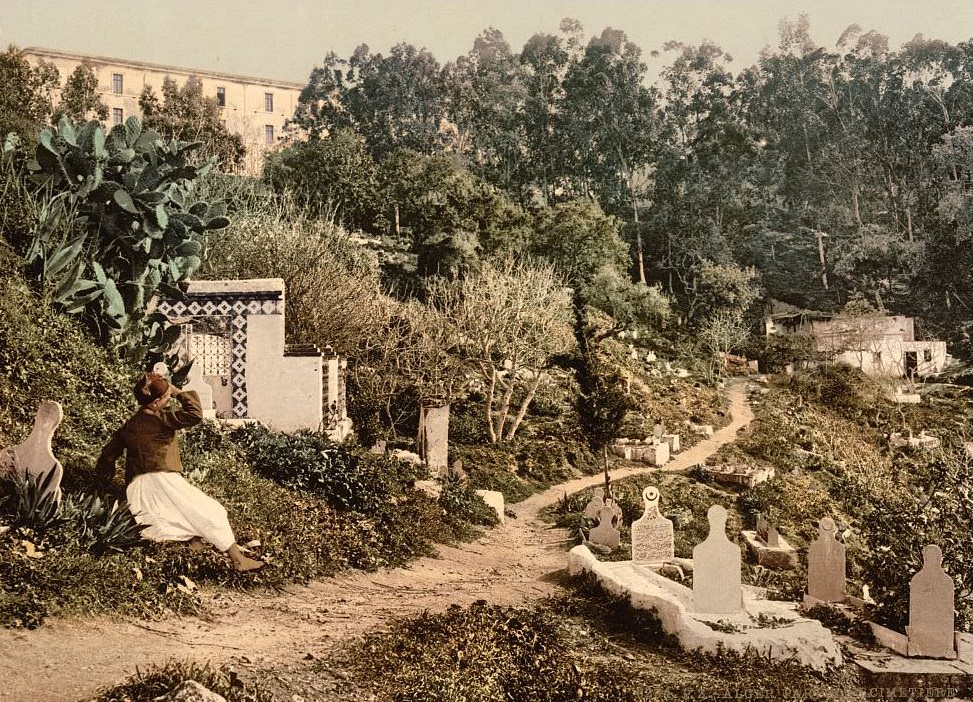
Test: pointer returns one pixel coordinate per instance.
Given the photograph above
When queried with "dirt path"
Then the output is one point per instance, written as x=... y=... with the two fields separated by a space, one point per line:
x=66 y=661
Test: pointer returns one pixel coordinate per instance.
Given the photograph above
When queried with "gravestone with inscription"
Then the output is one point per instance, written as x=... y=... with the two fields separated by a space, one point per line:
x=826 y=565
x=652 y=536
x=717 y=584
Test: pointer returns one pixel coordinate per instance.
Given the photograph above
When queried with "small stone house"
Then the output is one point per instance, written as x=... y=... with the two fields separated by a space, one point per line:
x=881 y=345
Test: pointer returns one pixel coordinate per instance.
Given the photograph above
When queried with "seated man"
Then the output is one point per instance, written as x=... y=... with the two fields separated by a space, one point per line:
x=160 y=498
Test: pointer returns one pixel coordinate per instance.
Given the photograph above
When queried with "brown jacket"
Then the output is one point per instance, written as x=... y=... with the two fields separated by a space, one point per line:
x=149 y=440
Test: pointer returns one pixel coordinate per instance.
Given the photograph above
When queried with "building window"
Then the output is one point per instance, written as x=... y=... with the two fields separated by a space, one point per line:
x=221 y=96
x=877 y=357
x=116 y=83
x=927 y=355
x=269 y=134
x=117 y=116
x=268 y=102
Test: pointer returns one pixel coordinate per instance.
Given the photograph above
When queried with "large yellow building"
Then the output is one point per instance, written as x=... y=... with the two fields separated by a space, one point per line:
x=255 y=108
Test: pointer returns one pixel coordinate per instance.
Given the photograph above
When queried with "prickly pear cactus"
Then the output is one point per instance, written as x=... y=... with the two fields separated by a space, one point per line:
x=120 y=224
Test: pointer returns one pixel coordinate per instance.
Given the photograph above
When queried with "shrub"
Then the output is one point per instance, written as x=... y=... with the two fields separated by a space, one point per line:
x=310 y=461
x=46 y=356
x=158 y=681
x=839 y=387
x=459 y=499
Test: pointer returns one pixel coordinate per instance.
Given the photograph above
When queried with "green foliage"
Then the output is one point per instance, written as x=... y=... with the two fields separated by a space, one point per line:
x=82 y=521
x=723 y=288
x=121 y=224
x=80 y=100
x=838 y=386
x=455 y=656
x=312 y=462
x=100 y=528
x=602 y=402
x=158 y=681
x=45 y=356
x=458 y=498
x=566 y=648
x=332 y=283
x=334 y=172
x=580 y=239
x=186 y=114
x=29 y=504
x=26 y=94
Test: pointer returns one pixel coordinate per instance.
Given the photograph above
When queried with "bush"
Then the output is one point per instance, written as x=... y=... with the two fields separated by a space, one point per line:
x=839 y=387
x=157 y=682
x=459 y=499
x=45 y=356
x=312 y=462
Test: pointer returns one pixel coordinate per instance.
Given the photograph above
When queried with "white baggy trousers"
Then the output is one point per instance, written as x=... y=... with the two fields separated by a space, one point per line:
x=175 y=510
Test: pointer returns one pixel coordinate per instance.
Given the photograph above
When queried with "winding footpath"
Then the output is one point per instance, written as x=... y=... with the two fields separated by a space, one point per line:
x=523 y=560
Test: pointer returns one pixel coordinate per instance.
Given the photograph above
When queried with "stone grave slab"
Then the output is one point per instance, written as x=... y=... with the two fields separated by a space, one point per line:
x=805 y=641
x=652 y=534
x=716 y=569
x=887 y=669
x=436 y=434
x=747 y=476
x=782 y=556
x=494 y=499
x=597 y=501
x=826 y=565
x=34 y=457
x=931 y=595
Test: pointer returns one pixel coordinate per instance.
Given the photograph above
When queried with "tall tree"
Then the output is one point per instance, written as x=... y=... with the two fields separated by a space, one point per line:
x=485 y=95
x=609 y=114
x=397 y=101
x=26 y=94
x=187 y=114
x=80 y=100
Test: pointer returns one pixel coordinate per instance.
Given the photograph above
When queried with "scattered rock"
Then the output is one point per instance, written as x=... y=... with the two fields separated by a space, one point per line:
x=190 y=691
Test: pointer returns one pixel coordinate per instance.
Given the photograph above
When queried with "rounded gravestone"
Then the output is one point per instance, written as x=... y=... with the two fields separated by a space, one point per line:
x=717 y=584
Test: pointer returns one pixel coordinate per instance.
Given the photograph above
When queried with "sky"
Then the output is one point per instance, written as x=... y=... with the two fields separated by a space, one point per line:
x=284 y=39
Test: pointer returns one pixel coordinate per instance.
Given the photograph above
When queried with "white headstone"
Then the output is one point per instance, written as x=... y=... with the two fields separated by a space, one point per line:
x=931 y=596
x=826 y=565
x=606 y=533
x=34 y=457
x=717 y=587
x=652 y=536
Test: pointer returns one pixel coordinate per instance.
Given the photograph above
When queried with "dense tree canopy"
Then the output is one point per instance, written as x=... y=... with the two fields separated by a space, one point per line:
x=829 y=171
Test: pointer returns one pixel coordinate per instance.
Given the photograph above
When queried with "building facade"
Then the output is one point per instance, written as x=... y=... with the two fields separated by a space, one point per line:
x=255 y=108
x=880 y=345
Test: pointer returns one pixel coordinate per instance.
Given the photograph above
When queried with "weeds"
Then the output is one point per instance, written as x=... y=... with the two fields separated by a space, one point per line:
x=156 y=682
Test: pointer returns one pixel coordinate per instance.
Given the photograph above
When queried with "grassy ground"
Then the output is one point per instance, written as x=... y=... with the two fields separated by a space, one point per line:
x=581 y=645
x=304 y=529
